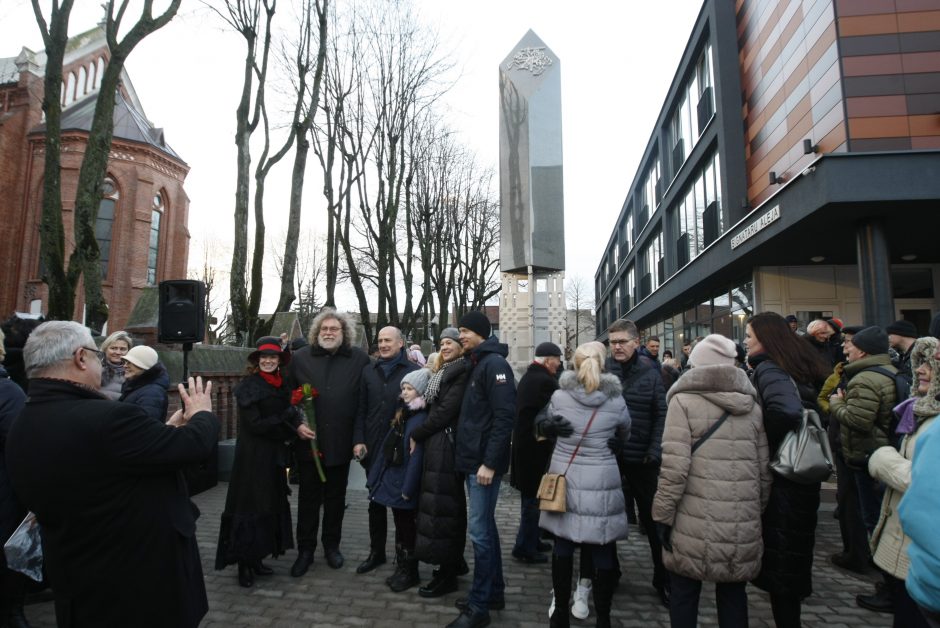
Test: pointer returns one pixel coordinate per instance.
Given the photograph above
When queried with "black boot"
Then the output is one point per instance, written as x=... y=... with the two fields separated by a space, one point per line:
x=561 y=582
x=443 y=582
x=374 y=560
x=406 y=576
x=399 y=560
x=245 y=577
x=603 y=594
x=260 y=569
x=303 y=562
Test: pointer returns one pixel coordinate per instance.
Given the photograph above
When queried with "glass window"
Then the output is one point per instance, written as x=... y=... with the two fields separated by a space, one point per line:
x=104 y=224
x=653 y=258
x=156 y=217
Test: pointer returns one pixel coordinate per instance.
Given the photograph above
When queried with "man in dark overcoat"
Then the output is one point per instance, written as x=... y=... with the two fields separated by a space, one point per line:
x=378 y=400
x=530 y=456
x=118 y=528
x=332 y=366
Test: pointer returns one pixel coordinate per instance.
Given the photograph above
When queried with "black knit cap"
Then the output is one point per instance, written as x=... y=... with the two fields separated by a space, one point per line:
x=547 y=350
x=872 y=340
x=902 y=328
x=477 y=322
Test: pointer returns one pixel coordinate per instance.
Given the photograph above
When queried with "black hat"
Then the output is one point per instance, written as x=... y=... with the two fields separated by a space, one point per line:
x=792 y=319
x=547 y=350
x=298 y=343
x=269 y=345
x=852 y=329
x=477 y=322
x=872 y=340
x=902 y=328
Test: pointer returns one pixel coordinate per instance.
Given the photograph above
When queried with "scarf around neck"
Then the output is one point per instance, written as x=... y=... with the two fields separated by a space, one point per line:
x=274 y=378
x=434 y=383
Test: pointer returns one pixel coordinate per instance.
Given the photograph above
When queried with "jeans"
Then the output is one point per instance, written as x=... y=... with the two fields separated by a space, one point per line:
x=870 y=493
x=488 y=583
x=527 y=539
x=730 y=598
x=854 y=535
x=331 y=495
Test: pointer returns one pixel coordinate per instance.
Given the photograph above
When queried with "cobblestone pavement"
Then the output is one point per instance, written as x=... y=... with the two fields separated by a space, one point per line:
x=327 y=597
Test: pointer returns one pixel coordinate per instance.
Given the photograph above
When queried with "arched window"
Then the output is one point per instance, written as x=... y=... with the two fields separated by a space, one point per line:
x=156 y=217
x=70 y=90
x=82 y=84
x=105 y=222
x=92 y=77
x=99 y=72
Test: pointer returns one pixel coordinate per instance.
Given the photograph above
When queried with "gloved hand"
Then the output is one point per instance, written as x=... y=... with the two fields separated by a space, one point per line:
x=651 y=461
x=555 y=426
x=664 y=533
x=615 y=445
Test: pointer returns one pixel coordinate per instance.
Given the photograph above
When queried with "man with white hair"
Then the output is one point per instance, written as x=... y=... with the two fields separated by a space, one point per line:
x=118 y=529
x=817 y=335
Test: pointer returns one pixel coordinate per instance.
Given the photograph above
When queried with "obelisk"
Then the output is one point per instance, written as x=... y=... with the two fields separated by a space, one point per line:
x=532 y=224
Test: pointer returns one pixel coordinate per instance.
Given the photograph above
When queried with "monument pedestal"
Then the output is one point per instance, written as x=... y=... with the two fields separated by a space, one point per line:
x=532 y=311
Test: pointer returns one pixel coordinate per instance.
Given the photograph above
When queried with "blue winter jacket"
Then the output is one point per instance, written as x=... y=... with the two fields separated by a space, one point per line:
x=149 y=391
x=919 y=511
x=397 y=487
x=488 y=411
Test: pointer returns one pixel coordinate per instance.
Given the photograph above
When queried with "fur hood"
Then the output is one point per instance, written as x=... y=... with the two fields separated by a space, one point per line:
x=725 y=385
x=923 y=351
x=610 y=388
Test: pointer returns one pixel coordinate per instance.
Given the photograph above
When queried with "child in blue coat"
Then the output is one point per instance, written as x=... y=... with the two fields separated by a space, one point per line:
x=395 y=476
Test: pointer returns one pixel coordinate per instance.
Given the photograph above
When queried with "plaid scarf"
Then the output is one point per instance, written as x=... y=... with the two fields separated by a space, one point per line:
x=434 y=384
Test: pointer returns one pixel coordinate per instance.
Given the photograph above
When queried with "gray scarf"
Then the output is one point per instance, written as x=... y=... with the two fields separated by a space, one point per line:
x=434 y=384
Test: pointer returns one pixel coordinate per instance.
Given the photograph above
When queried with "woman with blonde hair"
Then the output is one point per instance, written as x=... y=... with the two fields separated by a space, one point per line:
x=113 y=350
x=585 y=413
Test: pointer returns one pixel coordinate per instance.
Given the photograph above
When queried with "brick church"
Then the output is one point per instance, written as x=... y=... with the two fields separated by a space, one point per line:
x=142 y=218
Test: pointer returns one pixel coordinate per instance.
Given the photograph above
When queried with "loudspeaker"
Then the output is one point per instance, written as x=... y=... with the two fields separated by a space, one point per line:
x=182 y=316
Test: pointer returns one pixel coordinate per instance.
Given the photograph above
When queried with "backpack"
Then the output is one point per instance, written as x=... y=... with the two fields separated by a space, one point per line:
x=902 y=391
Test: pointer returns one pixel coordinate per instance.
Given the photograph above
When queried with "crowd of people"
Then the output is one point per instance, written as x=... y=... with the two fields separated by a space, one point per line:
x=678 y=448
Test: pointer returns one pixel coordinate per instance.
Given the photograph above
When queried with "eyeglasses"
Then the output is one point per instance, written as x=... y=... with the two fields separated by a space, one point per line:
x=333 y=330
x=618 y=343
x=99 y=354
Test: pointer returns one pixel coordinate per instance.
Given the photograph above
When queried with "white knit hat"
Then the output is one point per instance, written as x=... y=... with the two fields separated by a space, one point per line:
x=713 y=349
x=142 y=357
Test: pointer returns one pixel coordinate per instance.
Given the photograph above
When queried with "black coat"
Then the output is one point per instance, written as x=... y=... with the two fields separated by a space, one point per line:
x=149 y=391
x=378 y=399
x=256 y=520
x=645 y=395
x=488 y=411
x=118 y=529
x=789 y=521
x=442 y=506
x=530 y=457
x=337 y=377
x=12 y=399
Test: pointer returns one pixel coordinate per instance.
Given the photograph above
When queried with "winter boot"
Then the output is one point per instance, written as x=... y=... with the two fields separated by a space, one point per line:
x=561 y=581
x=406 y=576
x=399 y=561
x=603 y=594
x=443 y=582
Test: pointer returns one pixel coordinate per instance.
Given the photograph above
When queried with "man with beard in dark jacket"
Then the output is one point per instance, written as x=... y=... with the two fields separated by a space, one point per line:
x=483 y=440
x=332 y=366
x=645 y=395
x=530 y=456
x=378 y=399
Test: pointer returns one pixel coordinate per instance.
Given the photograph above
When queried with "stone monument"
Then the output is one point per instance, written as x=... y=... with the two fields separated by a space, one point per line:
x=532 y=224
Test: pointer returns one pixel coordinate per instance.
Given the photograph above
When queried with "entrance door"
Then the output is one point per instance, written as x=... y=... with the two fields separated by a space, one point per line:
x=917 y=311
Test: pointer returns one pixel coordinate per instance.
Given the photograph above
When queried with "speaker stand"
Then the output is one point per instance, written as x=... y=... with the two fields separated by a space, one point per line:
x=187 y=347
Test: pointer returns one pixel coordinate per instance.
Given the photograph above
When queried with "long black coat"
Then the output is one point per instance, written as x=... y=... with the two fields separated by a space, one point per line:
x=12 y=399
x=789 y=521
x=149 y=391
x=645 y=395
x=256 y=520
x=118 y=529
x=337 y=377
x=530 y=457
x=442 y=506
x=378 y=399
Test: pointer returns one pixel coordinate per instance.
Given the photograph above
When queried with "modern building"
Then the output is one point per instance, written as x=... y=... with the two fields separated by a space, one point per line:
x=142 y=216
x=794 y=167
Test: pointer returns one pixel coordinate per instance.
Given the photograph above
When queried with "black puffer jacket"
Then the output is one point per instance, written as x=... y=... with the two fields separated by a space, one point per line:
x=488 y=411
x=442 y=506
x=337 y=377
x=530 y=457
x=789 y=521
x=645 y=395
x=149 y=391
x=378 y=399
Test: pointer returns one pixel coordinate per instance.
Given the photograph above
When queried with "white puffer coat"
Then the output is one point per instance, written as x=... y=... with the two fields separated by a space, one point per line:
x=596 y=512
x=713 y=499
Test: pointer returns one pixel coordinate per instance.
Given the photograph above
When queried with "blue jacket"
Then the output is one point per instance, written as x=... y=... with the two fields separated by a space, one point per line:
x=149 y=391
x=488 y=411
x=390 y=486
x=919 y=512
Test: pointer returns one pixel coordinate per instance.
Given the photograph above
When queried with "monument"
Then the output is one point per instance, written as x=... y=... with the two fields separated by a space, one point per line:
x=532 y=223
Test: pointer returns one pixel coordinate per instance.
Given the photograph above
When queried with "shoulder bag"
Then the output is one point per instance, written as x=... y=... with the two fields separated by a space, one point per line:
x=804 y=456
x=553 y=487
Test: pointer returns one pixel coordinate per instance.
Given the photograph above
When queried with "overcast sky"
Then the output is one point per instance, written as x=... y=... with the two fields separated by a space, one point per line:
x=617 y=57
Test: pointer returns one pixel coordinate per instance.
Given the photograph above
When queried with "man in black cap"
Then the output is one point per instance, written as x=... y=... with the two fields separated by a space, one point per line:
x=530 y=456
x=484 y=432
x=794 y=324
x=901 y=337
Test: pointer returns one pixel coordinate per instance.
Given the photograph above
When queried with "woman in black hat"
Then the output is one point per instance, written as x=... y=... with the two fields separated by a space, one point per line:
x=256 y=521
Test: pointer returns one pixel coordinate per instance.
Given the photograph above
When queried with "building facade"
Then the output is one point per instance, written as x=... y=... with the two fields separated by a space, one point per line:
x=789 y=170
x=142 y=217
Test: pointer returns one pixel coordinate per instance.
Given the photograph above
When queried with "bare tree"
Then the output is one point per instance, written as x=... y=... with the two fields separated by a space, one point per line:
x=218 y=315
x=84 y=260
x=580 y=318
x=309 y=278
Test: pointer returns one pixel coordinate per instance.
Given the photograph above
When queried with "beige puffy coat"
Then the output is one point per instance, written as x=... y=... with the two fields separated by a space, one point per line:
x=713 y=499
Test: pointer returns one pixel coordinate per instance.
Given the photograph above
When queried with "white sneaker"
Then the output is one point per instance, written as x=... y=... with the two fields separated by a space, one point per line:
x=580 y=607
x=551 y=607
